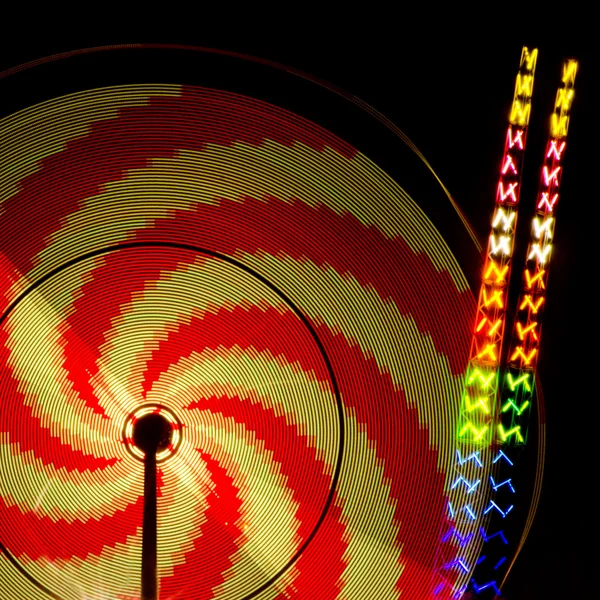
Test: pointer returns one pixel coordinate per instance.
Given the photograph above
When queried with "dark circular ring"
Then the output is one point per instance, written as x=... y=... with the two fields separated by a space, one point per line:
x=163 y=409
x=305 y=321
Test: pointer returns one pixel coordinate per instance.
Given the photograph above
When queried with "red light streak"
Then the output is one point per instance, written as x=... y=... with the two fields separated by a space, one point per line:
x=555 y=150
x=546 y=202
x=509 y=164
x=511 y=191
x=518 y=139
x=551 y=177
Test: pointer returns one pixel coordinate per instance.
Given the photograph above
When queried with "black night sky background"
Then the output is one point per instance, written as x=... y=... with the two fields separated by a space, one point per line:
x=451 y=96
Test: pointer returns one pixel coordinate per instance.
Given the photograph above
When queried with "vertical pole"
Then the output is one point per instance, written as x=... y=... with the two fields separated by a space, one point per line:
x=149 y=533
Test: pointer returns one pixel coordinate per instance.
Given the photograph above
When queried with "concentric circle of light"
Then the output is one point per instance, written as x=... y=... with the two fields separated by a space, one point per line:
x=176 y=392
x=220 y=350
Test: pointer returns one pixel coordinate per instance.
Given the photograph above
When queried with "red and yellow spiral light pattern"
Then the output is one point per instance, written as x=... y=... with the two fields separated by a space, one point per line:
x=268 y=286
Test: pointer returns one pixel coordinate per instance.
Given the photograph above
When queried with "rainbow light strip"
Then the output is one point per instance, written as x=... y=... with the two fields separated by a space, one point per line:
x=517 y=398
x=470 y=486
x=518 y=385
x=481 y=383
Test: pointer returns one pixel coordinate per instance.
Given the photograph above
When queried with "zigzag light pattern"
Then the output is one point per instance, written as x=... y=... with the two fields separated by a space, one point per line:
x=478 y=418
x=517 y=393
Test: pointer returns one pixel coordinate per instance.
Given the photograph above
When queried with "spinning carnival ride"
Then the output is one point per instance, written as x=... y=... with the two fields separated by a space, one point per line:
x=296 y=325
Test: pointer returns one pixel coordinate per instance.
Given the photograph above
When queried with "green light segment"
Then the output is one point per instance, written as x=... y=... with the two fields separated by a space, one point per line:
x=516 y=401
x=480 y=403
x=513 y=383
x=470 y=433
x=517 y=409
x=513 y=431
x=482 y=377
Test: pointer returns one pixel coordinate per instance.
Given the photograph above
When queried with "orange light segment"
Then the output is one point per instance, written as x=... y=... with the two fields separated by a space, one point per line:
x=528 y=302
x=500 y=273
x=489 y=350
x=525 y=358
x=496 y=298
x=538 y=277
x=523 y=331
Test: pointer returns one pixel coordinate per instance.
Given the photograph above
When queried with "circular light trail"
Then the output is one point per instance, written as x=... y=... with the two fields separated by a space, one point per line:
x=314 y=263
